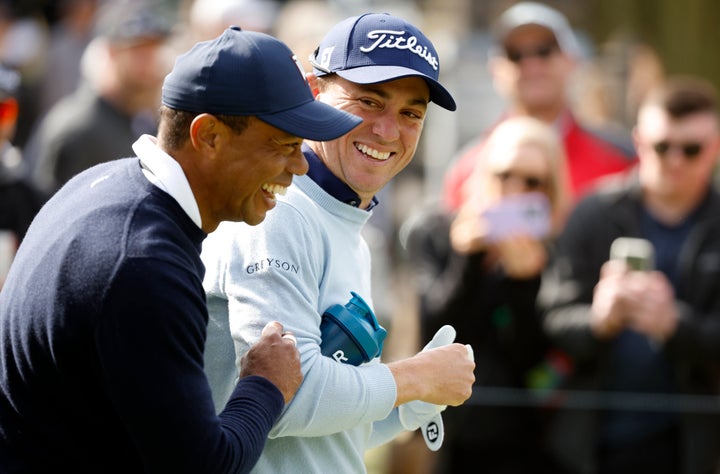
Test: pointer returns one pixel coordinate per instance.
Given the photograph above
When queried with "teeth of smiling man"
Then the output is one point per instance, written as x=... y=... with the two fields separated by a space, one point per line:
x=275 y=189
x=378 y=155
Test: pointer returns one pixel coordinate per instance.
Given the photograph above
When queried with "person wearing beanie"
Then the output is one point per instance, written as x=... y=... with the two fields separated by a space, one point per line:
x=103 y=315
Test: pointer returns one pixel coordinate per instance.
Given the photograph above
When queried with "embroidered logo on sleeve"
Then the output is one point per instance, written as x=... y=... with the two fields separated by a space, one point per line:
x=267 y=264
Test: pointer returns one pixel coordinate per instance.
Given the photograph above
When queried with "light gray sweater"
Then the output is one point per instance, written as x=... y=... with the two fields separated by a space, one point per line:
x=307 y=255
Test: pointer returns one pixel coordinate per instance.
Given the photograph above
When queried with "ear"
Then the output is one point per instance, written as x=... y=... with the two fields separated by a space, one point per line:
x=204 y=133
x=715 y=147
x=313 y=82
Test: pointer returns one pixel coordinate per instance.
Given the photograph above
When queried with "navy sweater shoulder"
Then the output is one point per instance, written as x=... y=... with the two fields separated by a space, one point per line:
x=102 y=333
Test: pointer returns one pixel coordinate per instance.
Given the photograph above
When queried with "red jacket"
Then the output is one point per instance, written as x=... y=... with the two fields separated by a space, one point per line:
x=589 y=157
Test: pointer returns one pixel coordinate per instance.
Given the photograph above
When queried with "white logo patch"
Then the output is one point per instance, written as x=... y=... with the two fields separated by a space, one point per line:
x=325 y=57
x=390 y=39
x=300 y=67
x=99 y=180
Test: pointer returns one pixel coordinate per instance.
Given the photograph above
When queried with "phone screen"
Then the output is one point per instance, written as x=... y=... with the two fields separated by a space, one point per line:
x=520 y=214
x=637 y=253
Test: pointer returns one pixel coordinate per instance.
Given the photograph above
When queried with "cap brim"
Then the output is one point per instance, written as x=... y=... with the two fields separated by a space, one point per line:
x=313 y=120
x=377 y=74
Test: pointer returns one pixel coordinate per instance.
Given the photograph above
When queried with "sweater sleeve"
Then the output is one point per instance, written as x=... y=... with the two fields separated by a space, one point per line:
x=253 y=408
x=280 y=271
x=150 y=343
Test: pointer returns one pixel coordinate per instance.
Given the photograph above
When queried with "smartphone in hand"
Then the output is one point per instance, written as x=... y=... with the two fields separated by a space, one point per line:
x=637 y=253
x=519 y=214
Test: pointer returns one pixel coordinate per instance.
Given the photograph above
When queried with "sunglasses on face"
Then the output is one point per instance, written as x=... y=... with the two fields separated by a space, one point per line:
x=531 y=183
x=542 y=51
x=689 y=150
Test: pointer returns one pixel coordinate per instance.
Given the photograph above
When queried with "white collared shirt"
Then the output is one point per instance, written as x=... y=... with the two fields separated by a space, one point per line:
x=167 y=174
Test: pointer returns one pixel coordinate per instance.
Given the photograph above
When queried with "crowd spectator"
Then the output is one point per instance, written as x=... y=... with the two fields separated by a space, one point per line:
x=479 y=271
x=651 y=333
x=122 y=69
x=69 y=34
x=19 y=200
x=532 y=65
x=23 y=47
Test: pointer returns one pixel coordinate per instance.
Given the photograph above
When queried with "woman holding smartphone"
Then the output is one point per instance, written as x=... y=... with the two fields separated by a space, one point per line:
x=478 y=268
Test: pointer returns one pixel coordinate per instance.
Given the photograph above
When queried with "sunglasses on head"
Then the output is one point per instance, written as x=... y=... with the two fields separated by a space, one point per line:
x=542 y=51
x=689 y=150
x=531 y=182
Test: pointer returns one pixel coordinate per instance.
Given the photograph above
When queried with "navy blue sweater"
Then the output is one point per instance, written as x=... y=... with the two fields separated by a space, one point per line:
x=102 y=333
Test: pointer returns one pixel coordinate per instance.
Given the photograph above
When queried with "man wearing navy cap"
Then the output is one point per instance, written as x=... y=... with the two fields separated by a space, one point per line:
x=309 y=256
x=103 y=314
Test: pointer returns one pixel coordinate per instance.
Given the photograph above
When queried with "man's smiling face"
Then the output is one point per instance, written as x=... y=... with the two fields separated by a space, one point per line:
x=373 y=153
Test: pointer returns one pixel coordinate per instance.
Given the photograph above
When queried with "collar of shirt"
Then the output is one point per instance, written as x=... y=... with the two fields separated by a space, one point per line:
x=330 y=183
x=165 y=173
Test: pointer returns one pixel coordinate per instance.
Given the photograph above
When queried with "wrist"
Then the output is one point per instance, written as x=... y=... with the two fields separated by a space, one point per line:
x=406 y=380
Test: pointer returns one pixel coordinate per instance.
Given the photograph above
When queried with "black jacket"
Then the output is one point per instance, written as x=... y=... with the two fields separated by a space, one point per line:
x=693 y=351
x=497 y=316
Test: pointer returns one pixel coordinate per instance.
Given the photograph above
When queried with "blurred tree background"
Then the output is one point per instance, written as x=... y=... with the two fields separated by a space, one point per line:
x=684 y=33
x=632 y=43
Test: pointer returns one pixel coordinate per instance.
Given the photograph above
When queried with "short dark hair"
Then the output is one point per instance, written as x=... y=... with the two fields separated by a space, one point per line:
x=175 y=125
x=681 y=96
x=325 y=81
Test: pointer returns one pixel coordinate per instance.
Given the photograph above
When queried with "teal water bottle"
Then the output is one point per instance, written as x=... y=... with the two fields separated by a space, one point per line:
x=351 y=333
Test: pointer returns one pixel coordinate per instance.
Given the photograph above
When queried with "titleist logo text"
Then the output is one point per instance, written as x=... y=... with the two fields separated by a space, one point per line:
x=390 y=39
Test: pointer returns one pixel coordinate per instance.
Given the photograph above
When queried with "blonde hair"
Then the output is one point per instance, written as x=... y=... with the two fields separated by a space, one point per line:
x=510 y=134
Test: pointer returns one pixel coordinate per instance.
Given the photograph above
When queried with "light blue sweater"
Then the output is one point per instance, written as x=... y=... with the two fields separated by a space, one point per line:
x=307 y=255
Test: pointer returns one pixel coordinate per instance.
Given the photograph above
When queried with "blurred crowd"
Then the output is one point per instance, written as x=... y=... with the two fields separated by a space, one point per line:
x=502 y=226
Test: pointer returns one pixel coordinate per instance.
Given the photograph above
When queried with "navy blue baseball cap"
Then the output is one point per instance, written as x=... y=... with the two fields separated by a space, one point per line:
x=252 y=73
x=378 y=47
